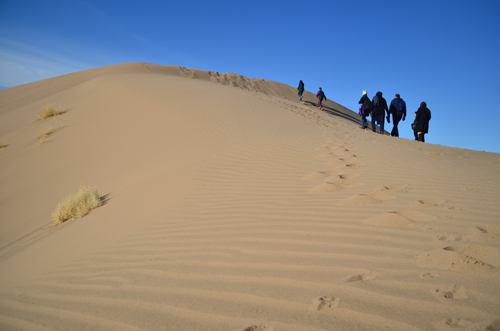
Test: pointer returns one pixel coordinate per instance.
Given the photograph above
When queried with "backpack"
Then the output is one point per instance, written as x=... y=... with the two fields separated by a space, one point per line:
x=367 y=107
x=399 y=105
x=376 y=105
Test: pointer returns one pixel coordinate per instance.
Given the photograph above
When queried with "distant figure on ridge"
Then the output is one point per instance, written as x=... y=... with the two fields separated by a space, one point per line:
x=398 y=111
x=364 y=110
x=379 y=107
x=321 y=97
x=300 y=89
x=420 y=125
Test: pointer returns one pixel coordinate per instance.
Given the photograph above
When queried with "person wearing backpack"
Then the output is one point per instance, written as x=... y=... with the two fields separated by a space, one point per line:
x=321 y=97
x=364 y=109
x=420 y=125
x=379 y=108
x=300 y=89
x=398 y=111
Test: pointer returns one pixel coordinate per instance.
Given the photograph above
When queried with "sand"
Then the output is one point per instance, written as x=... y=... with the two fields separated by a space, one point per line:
x=233 y=206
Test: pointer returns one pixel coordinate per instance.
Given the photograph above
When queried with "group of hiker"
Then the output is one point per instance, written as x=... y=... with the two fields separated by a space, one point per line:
x=378 y=111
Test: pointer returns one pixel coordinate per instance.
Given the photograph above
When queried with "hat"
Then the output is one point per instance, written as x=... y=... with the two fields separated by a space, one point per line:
x=364 y=92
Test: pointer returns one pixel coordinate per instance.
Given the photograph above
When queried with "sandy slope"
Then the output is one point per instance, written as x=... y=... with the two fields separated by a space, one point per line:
x=233 y=205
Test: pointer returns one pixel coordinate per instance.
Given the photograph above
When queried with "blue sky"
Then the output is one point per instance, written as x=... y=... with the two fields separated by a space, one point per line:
x=444 y=52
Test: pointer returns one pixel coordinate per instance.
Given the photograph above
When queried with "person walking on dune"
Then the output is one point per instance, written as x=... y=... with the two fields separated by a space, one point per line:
x=420 y=125
x=321 y=97
x=398 y=111
x=364 y=109
x=379 y=108
x=300 y=89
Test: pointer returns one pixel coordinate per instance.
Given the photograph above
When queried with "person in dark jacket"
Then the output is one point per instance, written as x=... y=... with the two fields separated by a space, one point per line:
x=420 y=125
x=364 y=109
x=398 y=111
x=300 y=89
x=379 y=108
x=321 y=97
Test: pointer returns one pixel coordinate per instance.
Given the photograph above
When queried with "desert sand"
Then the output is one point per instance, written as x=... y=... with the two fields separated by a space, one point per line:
x=233 y=206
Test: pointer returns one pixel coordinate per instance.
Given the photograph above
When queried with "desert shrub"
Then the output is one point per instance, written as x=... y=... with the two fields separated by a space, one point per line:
x=49 y=111
x=46 y=134
x=77 y=205
x=3 y=146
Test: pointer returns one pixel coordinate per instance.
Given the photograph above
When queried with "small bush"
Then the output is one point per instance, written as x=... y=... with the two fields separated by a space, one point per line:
x=44 y=135
x=3 y=146
x=48 y=112
x=77 y=205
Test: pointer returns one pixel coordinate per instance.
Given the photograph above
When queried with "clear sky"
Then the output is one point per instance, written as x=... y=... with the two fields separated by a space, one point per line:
x=445 y=52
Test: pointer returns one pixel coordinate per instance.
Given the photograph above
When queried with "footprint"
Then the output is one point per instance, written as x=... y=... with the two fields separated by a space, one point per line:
x=443 y=204
x=458 y=258
x=333 y=183
x=261 y=327
x=481 y=229
x=325 y=302
x=488 y=255
x=449 y=293
x=429 y=275
x=362 y=277
x=456 y=323
x=481 y=234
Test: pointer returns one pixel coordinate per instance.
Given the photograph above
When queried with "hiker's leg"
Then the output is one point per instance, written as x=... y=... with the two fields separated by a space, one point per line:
x=363 y=121
x=395 y=130
x=374 y=126
x=382 y=122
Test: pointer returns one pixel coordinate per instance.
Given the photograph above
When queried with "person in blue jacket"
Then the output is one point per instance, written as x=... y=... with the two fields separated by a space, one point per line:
x=398 y=111
x=300 y=89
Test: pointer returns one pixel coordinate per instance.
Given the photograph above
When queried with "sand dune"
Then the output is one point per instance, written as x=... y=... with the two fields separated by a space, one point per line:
x=232 y=206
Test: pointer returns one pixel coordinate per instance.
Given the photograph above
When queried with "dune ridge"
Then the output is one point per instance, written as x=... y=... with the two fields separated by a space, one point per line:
x=236 y=209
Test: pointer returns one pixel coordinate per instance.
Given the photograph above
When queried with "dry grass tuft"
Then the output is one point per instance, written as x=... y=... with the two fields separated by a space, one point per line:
x=4 y=146
x=49 y=112
x=44 y=135
x=77 y=205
